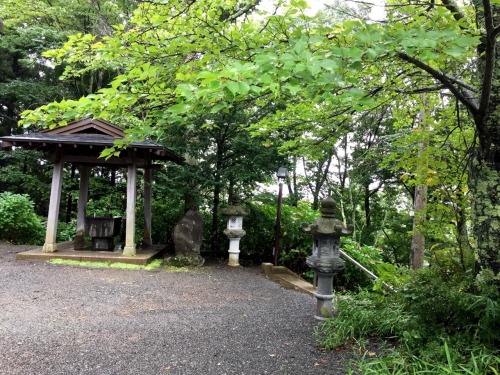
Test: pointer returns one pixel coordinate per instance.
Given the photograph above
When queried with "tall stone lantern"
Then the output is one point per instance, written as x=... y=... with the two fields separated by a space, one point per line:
x=325 y=258
x=234 y=230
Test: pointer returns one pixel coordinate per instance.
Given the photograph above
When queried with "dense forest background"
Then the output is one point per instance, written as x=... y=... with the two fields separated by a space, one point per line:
x=395 y=117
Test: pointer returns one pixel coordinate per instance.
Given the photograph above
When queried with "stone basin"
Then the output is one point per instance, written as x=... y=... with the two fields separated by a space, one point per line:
x=102 y=229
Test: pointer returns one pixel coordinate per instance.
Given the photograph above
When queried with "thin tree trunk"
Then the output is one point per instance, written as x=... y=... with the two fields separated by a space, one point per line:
x=353 y=212
x=292 y=184
x=368 y=218
x=419 y=201
x=466 y=254
x=69 y=202
x=214 y=240
x=113 y=177
x=418 y=238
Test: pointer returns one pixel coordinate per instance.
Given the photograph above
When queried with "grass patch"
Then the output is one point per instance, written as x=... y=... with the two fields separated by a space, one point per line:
x=430 y=325
x=156 y=264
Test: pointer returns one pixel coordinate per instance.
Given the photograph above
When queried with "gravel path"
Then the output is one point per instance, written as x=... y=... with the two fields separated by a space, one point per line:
x=215 y=320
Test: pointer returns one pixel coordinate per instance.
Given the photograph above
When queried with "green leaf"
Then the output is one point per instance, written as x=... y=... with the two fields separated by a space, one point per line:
x=179 y=108
x=455 y=51
x=300 y=47
x=328 y=64
x=243 y=88
x=233 y=87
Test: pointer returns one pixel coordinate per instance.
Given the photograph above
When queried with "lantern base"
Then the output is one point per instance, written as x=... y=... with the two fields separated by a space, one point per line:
x=234 y=259
x=324 y=306
x=234 y=252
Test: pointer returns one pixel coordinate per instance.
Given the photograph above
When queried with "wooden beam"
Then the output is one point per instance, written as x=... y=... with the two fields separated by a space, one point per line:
x=94 y=160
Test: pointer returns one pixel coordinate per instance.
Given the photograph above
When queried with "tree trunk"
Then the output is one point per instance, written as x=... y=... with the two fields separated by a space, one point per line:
x=368 y=216
x=69 y=202
x=214 y=243
x=418 y=238
x=484 y=169
x=214 y=240
x=484 y=184
x=420 y=198
x=293 y=191
x=466 y=254
x=113 y=177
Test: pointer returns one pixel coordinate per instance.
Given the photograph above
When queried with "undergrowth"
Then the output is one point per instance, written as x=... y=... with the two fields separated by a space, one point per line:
x=156 y=264
x=426 y=326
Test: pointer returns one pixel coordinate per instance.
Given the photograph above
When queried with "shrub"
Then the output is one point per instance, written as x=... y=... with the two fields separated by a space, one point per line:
x=432 y=325
x=19 y=223
x=295 y=244
x=258 y=243
x=66 y=231
x=352 y=277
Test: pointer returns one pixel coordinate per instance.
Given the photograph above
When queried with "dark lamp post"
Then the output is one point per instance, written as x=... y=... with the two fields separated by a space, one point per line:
x=282 y=175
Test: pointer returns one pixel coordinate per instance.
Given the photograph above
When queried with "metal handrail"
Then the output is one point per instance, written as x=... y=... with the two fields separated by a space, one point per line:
x=364 y=269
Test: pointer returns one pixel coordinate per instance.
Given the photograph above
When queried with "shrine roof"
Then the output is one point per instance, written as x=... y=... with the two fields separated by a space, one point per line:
x=85 y=133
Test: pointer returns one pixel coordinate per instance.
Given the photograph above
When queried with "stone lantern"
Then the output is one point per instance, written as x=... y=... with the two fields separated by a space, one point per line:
x=234 y=230
x=325 y=258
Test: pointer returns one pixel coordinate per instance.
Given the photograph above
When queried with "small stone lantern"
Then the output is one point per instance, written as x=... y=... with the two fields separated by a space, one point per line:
x=325 y=258
x=234 y=230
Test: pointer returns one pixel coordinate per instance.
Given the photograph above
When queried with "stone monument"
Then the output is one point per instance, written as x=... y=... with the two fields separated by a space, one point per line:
x=188 y=237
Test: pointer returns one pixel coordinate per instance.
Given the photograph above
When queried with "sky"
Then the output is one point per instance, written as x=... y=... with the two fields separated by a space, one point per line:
x=316 y=5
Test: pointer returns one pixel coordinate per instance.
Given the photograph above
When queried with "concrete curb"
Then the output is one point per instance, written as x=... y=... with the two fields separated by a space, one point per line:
x=287 y=279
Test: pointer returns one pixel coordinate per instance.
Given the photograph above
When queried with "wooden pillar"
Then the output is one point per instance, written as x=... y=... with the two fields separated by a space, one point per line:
x=147 y=240
x=50 y=244
x=82 y=207
x=129 y=249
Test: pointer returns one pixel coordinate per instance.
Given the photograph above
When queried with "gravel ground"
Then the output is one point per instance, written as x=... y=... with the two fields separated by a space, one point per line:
x=214 y=320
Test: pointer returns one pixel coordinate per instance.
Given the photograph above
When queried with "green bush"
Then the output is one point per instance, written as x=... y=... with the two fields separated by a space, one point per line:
x=66 y=231
x=296 y=245
x=258 y=243
x=19 y=223
x=352 y=277
x=429 y=325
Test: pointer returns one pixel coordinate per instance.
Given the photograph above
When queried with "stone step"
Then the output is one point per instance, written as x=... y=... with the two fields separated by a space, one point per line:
x=287 y=278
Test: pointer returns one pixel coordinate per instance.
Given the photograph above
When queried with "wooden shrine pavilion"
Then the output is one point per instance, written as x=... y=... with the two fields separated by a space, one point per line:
x=81 y=143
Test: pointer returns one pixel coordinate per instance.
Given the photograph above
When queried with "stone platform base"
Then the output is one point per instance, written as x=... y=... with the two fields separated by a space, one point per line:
x=65 y=251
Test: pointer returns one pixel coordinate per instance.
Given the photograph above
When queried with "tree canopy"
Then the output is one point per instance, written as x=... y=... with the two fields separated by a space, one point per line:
x=305 y=83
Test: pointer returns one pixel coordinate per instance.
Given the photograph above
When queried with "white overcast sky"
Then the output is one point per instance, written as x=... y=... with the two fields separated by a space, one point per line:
x=316 y=5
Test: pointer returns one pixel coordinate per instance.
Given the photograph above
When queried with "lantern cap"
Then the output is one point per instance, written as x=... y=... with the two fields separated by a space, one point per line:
x=327 y=207
x=235 y=209
x=235 y=199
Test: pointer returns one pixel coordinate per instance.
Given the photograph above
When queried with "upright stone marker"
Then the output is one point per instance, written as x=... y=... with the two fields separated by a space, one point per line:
x=188 y=237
